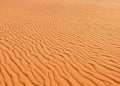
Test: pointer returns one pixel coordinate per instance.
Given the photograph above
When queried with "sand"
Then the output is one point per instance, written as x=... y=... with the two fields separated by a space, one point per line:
x=59 y=42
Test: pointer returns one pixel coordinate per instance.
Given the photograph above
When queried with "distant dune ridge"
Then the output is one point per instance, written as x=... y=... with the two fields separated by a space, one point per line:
x=59 y=42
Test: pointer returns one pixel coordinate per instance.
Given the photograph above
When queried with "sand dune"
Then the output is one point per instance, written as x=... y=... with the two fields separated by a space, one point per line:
x=59 y=43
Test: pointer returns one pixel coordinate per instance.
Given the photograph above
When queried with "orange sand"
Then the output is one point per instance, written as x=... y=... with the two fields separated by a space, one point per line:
x=59 y=42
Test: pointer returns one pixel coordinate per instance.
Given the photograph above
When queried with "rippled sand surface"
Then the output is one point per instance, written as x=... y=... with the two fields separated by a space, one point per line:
x=59 y=42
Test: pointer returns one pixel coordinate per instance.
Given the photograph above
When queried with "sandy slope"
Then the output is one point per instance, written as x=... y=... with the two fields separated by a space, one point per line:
x=59 y=42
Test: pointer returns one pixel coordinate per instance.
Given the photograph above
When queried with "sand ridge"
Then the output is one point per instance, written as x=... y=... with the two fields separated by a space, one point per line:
x=59 y=43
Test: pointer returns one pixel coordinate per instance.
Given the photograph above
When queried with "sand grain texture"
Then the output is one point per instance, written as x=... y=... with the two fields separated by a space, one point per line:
x=59 y=43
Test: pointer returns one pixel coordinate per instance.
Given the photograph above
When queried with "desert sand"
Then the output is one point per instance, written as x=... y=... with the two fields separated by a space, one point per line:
x=59 y=42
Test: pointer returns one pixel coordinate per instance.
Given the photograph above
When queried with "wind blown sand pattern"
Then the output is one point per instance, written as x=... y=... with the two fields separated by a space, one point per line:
x=59 y=42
